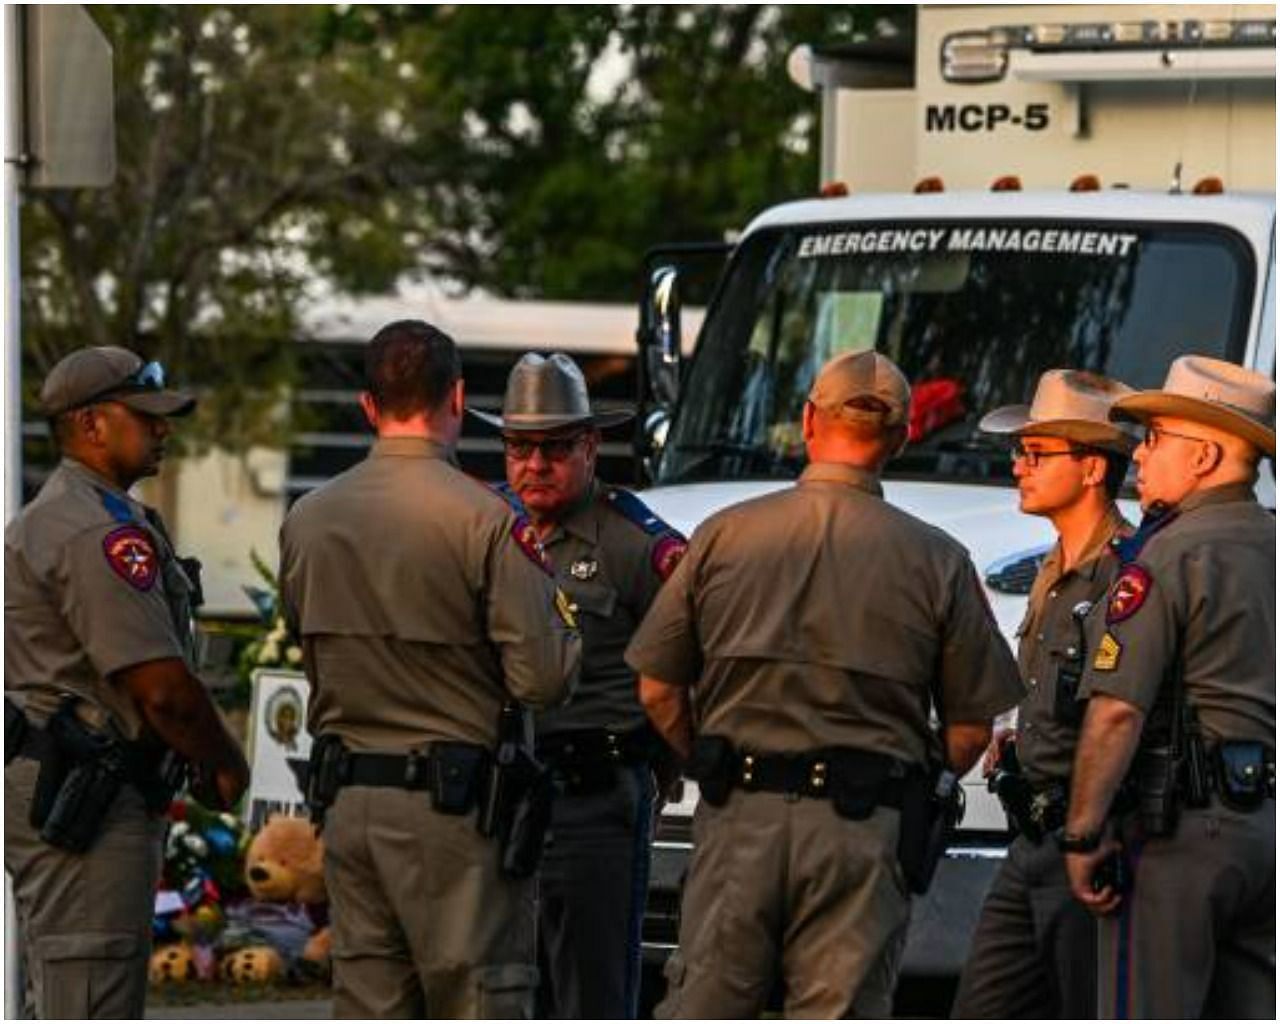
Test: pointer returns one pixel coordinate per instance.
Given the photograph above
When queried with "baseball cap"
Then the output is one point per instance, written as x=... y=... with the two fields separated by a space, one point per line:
x=106 y=372
x=853 y=377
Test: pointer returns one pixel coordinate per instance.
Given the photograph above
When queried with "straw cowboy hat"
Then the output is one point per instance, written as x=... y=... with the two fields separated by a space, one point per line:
x=548 y=393
x=1071 y=404
x=1213 y=392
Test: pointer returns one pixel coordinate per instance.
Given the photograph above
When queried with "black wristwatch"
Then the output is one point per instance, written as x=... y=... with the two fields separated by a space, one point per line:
x=1074 y=842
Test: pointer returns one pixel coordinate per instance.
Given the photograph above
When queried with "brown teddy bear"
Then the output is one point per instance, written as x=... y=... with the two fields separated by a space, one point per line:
x=284 y=872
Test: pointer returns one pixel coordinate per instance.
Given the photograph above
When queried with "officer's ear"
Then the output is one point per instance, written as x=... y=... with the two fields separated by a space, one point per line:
x=1095 y=470
x=458 y=398
x=370 y=409
x=806 y=422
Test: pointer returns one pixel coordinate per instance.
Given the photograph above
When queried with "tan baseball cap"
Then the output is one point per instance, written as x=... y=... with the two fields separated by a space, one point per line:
x=1071 y=404
x=855 y=376
x=1213 y=392
x=107 y=372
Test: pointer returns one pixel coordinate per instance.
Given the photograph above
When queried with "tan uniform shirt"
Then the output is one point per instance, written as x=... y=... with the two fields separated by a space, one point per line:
x=90 y=588
x=422 y=602
x=1051 y=642
x=611 y=568
x=823 y=616
x=1200 y=597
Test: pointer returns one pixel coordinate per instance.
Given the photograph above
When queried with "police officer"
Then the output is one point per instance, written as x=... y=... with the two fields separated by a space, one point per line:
x=1032 y=954
x=610 y=555
x=803 y=639
x=1182 y=681
x=99 y=687
x=423 y=604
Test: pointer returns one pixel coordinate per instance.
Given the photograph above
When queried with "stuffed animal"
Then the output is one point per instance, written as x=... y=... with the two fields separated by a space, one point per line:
x=172 y=963
x=277 y=926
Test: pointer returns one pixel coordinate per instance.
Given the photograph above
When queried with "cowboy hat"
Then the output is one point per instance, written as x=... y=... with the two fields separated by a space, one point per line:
x=1071 y=404
x=1213 y=392
x=546 y=393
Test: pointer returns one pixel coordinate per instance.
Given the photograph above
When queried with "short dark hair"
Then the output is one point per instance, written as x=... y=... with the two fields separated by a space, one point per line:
x=409 y=368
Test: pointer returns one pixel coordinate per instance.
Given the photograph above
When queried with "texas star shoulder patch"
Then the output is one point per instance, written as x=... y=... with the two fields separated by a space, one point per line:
x=1128 y=593
x=1108 y=656
x=132 y=556
x=667 y=554
x=526 y=538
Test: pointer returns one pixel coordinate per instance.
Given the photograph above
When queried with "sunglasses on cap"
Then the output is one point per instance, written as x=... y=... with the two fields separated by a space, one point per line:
x=148 y=377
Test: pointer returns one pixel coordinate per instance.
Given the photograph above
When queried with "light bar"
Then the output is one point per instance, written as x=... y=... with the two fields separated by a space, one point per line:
x=983 y=56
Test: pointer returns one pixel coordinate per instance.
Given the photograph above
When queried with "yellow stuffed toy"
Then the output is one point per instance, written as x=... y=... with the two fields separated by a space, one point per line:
x=284 y=872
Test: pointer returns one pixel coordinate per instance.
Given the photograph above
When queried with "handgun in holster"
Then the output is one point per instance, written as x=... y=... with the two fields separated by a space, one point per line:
x=515 y=803
x=327 y=772
x=932 y=808
x=88 y=773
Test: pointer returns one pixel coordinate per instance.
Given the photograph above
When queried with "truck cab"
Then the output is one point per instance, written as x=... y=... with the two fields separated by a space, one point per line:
x=975 y=292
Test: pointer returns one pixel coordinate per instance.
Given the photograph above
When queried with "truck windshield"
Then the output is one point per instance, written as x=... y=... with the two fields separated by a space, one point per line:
x=973 y=313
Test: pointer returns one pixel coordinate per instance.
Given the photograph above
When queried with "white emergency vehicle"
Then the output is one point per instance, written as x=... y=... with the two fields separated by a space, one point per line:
x=1021 y=187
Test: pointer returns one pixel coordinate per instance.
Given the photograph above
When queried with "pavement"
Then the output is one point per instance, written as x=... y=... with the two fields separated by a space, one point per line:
x=289 y=1009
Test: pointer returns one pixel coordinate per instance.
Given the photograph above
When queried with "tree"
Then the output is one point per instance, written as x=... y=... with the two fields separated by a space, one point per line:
x=266 y=152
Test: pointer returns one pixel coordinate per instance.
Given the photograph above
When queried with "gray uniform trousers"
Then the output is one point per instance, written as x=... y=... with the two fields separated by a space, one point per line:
x=424 y=923
x=783 y=886
x=1034 y=950
x=1196 y=937
x=593 y=883
x=84 y=920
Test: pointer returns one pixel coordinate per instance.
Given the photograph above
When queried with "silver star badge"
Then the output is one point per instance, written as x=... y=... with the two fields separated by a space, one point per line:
x=584 y=568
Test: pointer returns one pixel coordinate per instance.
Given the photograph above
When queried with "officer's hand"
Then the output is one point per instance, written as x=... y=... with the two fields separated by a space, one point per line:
x=230 y=783
x=992 y=757
x=1081 y=868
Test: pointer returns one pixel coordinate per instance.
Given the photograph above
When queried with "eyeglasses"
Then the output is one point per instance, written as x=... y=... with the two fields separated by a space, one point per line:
x=1151 y=436
x=1033 y=456
x=554 y=449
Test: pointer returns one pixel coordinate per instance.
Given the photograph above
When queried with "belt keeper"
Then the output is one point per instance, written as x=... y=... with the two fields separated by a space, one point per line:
x=413 y=765
x=748 y=768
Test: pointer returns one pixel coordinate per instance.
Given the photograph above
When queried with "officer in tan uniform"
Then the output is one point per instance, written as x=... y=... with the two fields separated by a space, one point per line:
x=423 y=603
x=804 y=639
x=1178 y=742
x=610 y=554
x=1032 y=954
x=100 y=692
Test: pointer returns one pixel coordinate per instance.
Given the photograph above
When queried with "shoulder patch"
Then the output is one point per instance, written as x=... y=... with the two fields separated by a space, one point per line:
x=526 y=538
x=667 y=554
x=1128 y=593
x=132 y=556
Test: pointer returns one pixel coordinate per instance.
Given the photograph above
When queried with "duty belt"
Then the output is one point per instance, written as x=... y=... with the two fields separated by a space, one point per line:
x=804 y=775
x=585 y=761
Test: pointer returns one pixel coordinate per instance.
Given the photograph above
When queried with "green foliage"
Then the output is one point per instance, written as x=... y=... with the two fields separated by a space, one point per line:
x=270 y=153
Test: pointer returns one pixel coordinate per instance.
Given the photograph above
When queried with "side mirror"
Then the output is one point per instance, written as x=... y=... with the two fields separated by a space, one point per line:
x=654 y=428
x=660 y=337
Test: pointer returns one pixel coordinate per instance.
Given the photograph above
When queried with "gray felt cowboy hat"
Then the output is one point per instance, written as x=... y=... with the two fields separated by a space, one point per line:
x=546 y=393
x=1074 y=405
x=1213 y=392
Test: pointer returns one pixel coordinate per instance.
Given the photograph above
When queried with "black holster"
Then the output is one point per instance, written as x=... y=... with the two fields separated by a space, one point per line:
x=1014 y=791
x=327 y=772
x=932 y=807
x=76 y=786
x=714 y=766
x=515 y=800
x=1153 y=789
